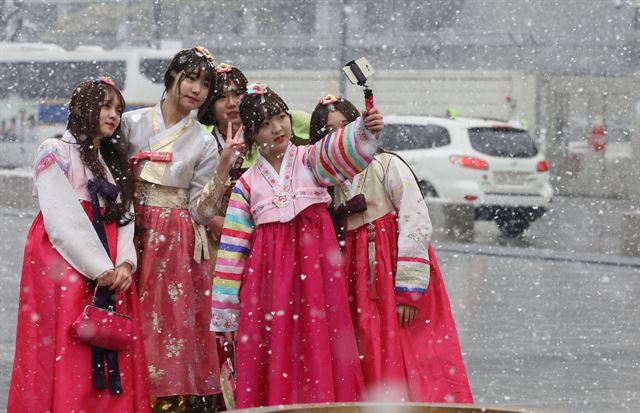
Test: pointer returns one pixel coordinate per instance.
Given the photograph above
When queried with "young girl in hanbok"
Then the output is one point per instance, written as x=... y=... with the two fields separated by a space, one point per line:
x=82 y=236
x=180 y=182
x=222 y=116
x=279 y=279
x=406 y=333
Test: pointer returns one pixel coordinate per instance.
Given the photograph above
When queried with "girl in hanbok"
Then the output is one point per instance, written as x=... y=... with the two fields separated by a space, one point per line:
x=222 y=116
x=180 y=182
x=279 y=279
x=406 y=334
x=82 y=236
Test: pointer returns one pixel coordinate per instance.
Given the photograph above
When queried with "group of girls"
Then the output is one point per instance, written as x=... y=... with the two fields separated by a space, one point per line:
x=139 y=210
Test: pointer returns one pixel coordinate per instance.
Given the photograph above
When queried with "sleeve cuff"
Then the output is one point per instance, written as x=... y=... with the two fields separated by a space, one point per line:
x=409 y=299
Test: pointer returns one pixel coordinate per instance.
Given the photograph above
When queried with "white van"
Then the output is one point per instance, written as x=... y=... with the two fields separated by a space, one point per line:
x=493 y=167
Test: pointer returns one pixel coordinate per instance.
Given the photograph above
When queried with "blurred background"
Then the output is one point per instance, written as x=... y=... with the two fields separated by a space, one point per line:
x=548 y=319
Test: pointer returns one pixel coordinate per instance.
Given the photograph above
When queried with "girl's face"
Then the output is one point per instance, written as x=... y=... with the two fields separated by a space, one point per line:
x=227 y=107
x=274 y=134
x=336 y=120
x=110 y=113
x=191 y=93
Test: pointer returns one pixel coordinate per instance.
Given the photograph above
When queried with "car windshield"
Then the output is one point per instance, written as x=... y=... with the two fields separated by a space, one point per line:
x=503 y=142
x=398 y=137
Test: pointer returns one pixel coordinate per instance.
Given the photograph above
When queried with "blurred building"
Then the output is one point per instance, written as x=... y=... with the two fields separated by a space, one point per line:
x=597 y=37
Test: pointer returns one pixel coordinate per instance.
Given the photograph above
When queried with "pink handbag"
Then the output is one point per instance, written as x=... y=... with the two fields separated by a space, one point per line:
x=103 y=328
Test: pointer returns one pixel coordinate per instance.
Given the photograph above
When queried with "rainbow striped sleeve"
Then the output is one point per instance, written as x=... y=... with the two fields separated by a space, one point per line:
x=343 y=154
x=235 y=245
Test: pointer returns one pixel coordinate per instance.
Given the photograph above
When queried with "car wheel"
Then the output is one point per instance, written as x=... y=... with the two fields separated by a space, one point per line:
x=512 y=222
x=427 y=189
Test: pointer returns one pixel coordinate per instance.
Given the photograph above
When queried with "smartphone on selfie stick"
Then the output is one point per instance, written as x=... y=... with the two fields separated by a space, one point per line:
x=358 y=72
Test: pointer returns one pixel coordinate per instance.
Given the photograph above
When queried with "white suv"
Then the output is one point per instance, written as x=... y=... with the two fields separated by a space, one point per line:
x=492 y=167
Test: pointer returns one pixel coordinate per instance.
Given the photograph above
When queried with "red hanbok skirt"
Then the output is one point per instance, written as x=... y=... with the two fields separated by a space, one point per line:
x=296 y=342
x=175 y=300
x=52 y=370
x=421 y=363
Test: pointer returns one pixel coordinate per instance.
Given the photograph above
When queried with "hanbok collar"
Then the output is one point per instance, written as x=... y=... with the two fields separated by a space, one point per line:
x=220 y=138
x=354 y=187
x=163 y=136
x=159 y=126
x=280 y=182
x=69 y=138
x=282 y=178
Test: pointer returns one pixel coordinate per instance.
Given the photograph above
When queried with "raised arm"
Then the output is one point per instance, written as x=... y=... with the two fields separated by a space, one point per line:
x=235 y=245
x=343 y=154
x=207 y=189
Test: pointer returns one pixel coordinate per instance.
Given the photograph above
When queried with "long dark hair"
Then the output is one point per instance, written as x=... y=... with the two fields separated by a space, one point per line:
x=226 y=76
x=258 y=105
x=318 y=128
x=84 y=123
x=189 y=62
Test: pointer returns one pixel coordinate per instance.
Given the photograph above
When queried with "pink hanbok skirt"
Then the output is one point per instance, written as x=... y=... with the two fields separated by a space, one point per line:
x=175 y=299
x=421 y=363
x=296 y=341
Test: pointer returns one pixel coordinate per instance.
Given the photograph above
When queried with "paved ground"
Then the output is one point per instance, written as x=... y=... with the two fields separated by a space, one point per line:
x=551 y=321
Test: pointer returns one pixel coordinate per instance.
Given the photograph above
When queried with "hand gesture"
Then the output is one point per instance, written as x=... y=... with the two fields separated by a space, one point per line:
x=234 y=148
x=121 y=277
x=105 y=279
x=406 y=315
x=215 y=227
x=373 y=120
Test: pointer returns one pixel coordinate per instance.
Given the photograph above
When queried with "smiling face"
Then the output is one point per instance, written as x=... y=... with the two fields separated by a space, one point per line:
x=110 y=113
x=336 y=120
x=190 y=91
x=227 y=106
x=274 y=135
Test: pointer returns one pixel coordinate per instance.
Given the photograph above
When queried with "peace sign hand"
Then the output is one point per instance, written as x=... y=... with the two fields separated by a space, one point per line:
x=234 y=148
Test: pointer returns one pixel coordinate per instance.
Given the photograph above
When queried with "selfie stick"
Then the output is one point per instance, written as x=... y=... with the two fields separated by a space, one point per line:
x=356 y=75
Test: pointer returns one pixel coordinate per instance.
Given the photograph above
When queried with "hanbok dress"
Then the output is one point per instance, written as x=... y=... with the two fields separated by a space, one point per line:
x=177 y=193
x=389 y=261
x=52 y=371
x=279 y=277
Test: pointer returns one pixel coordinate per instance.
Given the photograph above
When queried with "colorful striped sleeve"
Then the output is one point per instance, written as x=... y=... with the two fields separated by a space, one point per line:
x=235 y=245
x=343 y=154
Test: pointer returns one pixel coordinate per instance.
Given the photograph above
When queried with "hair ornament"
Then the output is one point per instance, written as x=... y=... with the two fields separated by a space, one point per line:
x=329 y=99
x=201 y=51
x=257 y=88
x=223 y=68
x=106 y=79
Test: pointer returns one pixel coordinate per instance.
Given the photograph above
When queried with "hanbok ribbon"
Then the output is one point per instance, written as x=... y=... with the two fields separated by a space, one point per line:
x=104 y=298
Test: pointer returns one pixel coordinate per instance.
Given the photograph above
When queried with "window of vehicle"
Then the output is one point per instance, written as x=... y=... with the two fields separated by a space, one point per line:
x=503 y=142
x=397 y=137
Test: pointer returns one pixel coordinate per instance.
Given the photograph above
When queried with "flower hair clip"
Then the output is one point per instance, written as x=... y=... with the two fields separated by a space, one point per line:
x=203 y=52
x=329 y=99
x=106 y=79
x=257 y=88
x=223 y=68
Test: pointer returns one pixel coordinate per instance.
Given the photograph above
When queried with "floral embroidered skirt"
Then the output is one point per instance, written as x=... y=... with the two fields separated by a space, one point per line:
x=51 y=369
x=420 y=363
x=175 y=299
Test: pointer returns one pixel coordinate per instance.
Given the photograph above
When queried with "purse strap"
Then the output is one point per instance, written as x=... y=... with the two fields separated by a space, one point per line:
x=124 y=302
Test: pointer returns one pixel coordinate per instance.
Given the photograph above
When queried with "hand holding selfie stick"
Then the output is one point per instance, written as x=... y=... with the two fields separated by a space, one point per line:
x=358 y=72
